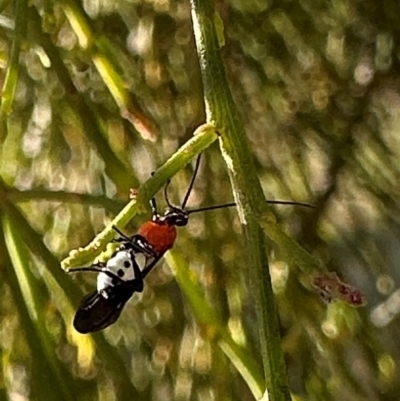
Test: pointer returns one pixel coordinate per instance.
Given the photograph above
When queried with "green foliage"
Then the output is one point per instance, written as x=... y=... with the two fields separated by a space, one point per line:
x=98 y=95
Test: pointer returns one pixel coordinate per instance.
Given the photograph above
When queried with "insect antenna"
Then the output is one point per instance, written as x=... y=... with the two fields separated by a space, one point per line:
x=232 y=204
x=190 y=187
x=166 y=195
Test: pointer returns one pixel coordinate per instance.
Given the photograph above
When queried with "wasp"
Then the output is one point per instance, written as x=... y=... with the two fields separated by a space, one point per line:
x=122 y=275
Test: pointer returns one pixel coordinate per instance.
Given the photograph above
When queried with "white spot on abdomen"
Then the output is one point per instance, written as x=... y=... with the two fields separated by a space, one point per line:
x=120 y=265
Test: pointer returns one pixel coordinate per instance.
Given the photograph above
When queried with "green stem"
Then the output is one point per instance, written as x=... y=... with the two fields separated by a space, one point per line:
x=98 y=45
x=212 y=326
x=36 y=194
x=204 y=136
x=31 y=298
x=222 y=112
x=63 y=288
x=294 y=253
x=11 y=78
x=120 y=173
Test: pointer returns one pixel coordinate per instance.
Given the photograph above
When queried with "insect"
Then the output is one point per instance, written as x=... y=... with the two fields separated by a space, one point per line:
x=121 y=276
x=159 y=233
x=118 y=279
x=331 y=288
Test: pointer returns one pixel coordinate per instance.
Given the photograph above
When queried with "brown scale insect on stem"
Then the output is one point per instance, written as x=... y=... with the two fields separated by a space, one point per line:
x=331 y=288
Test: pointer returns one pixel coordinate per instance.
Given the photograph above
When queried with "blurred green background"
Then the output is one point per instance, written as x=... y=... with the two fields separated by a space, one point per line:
x=105 y=91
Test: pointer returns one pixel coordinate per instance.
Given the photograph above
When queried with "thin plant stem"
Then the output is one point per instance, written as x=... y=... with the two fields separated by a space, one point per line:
x=222 y=112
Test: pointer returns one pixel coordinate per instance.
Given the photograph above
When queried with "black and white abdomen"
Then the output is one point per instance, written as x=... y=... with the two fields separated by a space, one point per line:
x=120 y=265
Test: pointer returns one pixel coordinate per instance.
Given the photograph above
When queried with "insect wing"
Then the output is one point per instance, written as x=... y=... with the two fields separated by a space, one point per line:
x=99 y=310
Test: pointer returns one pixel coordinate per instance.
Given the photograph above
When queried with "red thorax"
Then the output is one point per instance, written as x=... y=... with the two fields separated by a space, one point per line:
x=159 y=234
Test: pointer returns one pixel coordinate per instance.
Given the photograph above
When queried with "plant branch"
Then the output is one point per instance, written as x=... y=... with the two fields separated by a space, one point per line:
x=212 y=326
x=204 y=136
x=11 y=77
x=39 y=194
x=222 y=112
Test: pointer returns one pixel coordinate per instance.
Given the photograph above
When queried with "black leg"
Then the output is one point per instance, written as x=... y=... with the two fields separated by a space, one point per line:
x=137 y=283
x=150 y=267
x=141 y=245
x=136 y=242
x=100 y=267
x=96 y=268
x=153 y=206
x=121 y=234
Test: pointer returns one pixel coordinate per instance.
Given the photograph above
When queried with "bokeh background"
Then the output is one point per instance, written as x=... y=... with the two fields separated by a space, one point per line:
x=106 y=92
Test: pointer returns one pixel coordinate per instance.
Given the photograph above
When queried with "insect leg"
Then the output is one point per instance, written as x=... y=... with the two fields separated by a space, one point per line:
x=137 y=243
x=122 y=238
x=98 y=268
x=153 y=206
x=137 y=283
x=140 y=244
x=149 y=268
